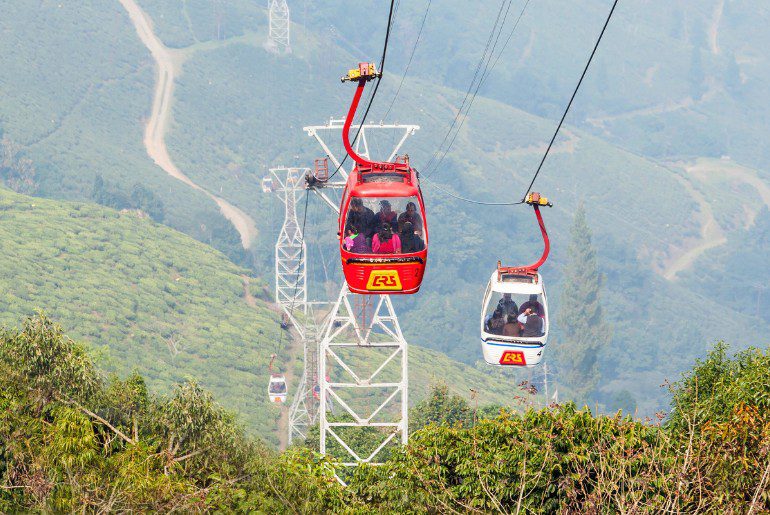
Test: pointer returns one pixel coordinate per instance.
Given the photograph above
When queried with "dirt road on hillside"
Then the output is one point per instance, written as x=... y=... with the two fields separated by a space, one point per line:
x=714 y=27
x=712 y=235
x=169 y=63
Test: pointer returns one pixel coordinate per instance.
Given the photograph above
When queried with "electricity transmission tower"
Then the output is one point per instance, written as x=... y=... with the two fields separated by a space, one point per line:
x=278 y=15
x=291 y=292
x=355 y=355
x=290 y=250
x=363 y=365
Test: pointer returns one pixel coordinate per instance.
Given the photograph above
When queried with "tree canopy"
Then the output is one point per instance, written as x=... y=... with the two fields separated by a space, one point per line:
x=72 y=439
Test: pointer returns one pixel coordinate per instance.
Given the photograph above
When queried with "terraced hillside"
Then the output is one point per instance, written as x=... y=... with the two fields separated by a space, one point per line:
x=151 y=299
x=674 y=82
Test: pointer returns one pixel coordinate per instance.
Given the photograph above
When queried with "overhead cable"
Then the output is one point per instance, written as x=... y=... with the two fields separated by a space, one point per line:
x=425 y=180
x=582 y=76
x=409 y=63
x=470 y=86
x=556 y=132
x=484 y=75
x=376 y=86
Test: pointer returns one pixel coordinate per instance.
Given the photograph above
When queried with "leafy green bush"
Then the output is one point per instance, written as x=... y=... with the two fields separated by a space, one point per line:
x=114 y=447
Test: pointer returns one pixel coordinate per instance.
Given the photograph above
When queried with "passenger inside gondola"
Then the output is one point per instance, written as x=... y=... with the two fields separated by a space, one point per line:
x=385 y=241
x=508 y=305
x=410 y=240
x=532 y=323
x=411 y=215
x=495 y=322
x=355 y=241
x=534 y=305
x=512 y=326
x=385 y=215
x=362 y=217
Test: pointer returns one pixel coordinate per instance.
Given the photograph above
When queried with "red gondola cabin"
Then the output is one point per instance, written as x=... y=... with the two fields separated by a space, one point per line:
x=382 y=225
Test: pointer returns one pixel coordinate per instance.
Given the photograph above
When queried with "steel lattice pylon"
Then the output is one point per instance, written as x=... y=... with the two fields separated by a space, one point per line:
x=366 y=374
x=290 y=250
x=336 y=337
x=304 y=406
x=362 y=357
x=278 y=15
x=291 y=293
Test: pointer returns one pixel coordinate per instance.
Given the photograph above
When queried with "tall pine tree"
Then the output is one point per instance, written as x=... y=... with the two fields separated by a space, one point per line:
x=580 y=316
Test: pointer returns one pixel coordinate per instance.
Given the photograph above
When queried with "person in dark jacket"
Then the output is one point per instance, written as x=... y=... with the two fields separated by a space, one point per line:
x=385 y=215
x=410 y=241
x=410 y=215
x=509 y=305
x=534 y=305
x=495 y=322
x=362 y=217
x=532 y=324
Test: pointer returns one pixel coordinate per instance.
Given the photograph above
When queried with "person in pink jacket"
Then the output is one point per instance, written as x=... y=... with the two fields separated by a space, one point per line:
x=386 y=242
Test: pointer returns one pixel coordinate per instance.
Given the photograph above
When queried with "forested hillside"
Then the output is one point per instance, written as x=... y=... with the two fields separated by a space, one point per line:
x=150 y=299
x=669 y=123
x=74 y=440
x=651 y=216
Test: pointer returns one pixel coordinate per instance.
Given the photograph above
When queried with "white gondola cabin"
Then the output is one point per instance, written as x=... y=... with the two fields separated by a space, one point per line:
x=514 y=312
x=276 y=389
x=267 y=184
x=504 y=339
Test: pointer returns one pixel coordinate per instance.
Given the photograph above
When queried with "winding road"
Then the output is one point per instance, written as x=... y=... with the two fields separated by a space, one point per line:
x=169 y=62
x=714 y=27
x=711 y=234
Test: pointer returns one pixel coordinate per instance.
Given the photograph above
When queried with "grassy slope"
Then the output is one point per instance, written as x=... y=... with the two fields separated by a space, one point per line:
x=131 y=285
x=498 y=145
x=128 y=285
x=77 y=94
x=225 y=129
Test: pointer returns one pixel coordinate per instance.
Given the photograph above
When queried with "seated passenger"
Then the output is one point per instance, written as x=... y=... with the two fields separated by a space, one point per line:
x=512 y=327
x=362 y=217
x=495 y=322
x=385 y=215
x=355 y=241
x=278 y=387
x=410 y=241
x=508 y=305
x=385 y=242
x=534 y=304
x=532 y=324
x=410 y=215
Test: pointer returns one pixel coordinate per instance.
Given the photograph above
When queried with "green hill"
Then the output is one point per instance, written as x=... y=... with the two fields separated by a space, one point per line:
x=642 y=214
x=75 y=98
x=671 y=83
x=153 y=300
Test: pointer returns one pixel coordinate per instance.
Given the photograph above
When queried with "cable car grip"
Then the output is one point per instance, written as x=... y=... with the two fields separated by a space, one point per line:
x=535 y=200
x=362 y=80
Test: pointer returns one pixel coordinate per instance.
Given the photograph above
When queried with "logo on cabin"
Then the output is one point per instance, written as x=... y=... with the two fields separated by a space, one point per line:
x=383 y=280
x=513 y=357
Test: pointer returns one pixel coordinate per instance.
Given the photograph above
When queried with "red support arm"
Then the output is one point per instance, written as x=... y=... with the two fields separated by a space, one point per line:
x=546 y=241
x=348 y=121
x=530 y=269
